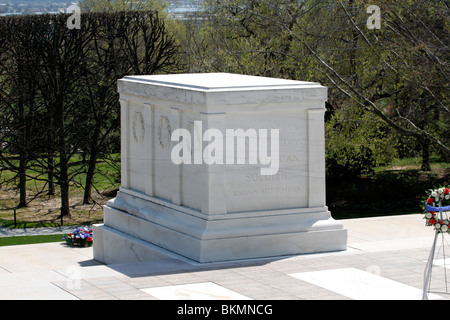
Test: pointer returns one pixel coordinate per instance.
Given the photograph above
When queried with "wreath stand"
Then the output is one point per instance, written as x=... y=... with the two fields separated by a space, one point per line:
x=431 y=258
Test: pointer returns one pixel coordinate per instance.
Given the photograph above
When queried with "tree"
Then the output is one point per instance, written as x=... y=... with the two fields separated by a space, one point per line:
x=17 y=100
x=399 y=73
x=411 y=43
x=124 y=43
x=60 y=51
x=59 y=89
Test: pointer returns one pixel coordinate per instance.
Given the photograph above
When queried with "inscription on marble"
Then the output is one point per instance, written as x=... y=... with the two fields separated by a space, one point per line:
x=259 y=185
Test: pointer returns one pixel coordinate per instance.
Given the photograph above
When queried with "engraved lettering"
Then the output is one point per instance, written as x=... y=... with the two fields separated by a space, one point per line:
x=266 y=191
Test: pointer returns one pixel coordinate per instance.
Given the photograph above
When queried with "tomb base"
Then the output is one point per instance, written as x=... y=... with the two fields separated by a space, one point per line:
x=136 y=225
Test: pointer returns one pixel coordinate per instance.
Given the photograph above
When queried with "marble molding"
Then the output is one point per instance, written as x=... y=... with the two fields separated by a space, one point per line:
x=223 y=211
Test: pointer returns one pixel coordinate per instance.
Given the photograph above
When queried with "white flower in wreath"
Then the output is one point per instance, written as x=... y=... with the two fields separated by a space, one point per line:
x=436 y=199
x=434 y=194
x=428 y=215
x=447 y=197
x=437 y=225
x=441 y=190
x=444 y=228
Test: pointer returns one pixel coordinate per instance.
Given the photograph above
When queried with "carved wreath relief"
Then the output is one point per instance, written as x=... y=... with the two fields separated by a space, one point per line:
x=138 y=127
x=164 y=133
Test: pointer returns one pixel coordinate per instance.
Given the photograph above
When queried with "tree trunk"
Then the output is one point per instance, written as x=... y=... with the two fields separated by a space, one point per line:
x=50 y=168
x=425 y=157
x=354 y=46
x=63 y=159
x=92 y=163
x=23 y=178
x=64 y=185
x=50 y=159
x=23 y=144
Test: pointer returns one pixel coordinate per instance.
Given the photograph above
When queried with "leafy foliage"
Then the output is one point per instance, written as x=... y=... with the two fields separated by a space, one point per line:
x=398 y=73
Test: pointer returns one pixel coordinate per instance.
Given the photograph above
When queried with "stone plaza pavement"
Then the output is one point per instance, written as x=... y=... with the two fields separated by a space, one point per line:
x=386 y=259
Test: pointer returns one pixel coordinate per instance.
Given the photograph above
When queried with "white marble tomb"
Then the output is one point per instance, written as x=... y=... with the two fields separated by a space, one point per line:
x=225 y=210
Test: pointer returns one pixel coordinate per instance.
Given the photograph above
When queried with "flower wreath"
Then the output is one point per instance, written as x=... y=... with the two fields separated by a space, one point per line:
x=82 y=237
x=437 y=209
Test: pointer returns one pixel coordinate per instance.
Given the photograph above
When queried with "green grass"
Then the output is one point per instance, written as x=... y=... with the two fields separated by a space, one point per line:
x=396 y=189
x=19 y=240
x=106 y=176
x=413 y=163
